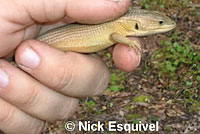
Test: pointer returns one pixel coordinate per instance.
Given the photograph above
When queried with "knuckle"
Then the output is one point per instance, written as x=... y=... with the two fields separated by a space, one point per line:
x=29 y=42
x=38 y=129
x=31 y=98
x=103 y=82
x=7 y=114
x=123 y=6
x=69 y=109
x=92 y=74
x=65 y=77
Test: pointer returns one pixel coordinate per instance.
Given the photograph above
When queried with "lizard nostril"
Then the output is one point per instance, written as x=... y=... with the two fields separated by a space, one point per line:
x=173 y=23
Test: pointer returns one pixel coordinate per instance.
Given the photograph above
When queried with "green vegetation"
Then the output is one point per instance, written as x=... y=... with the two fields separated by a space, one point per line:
x=108 y=56
x=91 y=104
x=116 y=81
x=166 y=86
x=164 y=3
x=154 y=118
x=169 y=4
x=172 y=58
x=177 y=63
x=142 y=98
x=133 y=117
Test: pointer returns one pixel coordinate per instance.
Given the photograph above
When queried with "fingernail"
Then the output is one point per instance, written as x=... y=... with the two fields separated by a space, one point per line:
x=139 y=59
x=3 y=79
x=135 y=57
x=29 y=58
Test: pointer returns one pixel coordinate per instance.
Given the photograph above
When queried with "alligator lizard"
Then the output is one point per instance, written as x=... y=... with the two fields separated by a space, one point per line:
x=92 y=38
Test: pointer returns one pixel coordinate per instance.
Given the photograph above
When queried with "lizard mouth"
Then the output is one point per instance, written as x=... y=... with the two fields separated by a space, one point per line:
x=164 y=28
x=168 y=28
x=154 y=31
x=171 y=26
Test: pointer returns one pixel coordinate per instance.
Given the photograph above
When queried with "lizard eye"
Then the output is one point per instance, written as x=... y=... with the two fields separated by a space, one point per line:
x=161 y=22
x=136 y=26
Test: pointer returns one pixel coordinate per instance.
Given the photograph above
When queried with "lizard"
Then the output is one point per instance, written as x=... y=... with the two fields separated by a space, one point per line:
x=89 y=38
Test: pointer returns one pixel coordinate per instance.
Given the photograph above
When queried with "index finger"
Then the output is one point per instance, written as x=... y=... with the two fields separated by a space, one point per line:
x=19 y=18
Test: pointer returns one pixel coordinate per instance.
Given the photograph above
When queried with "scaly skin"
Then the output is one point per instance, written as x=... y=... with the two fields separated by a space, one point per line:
x=92 y=38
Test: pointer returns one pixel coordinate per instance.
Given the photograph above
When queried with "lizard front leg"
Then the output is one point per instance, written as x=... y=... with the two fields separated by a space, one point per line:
x=118 y=38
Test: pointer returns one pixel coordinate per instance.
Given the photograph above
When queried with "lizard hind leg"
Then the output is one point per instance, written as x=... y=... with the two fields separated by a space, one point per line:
x=118 y=38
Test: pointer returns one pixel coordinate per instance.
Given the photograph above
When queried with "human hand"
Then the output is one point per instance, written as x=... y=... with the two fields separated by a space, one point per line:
x=53 y=80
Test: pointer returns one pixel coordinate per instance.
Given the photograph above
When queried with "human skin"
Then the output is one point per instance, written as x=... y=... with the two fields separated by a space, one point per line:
x=48 y=82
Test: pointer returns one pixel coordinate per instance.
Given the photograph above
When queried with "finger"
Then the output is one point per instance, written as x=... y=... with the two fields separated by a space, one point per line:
x=24 y=92
x=20 y=22
x=70 y=73
x=49 y=26
x=10 y=56
x=96 y=11
x=14 y=121
x=84 y=11
x=126 y=58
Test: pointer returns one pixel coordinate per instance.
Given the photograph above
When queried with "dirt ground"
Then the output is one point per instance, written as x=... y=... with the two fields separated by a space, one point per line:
x=153 y=93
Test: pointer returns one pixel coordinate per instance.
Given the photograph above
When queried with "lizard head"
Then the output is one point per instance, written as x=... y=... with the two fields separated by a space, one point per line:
x=142 y=22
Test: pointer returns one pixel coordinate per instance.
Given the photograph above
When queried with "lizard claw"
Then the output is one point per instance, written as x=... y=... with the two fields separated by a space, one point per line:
x=137 y=48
